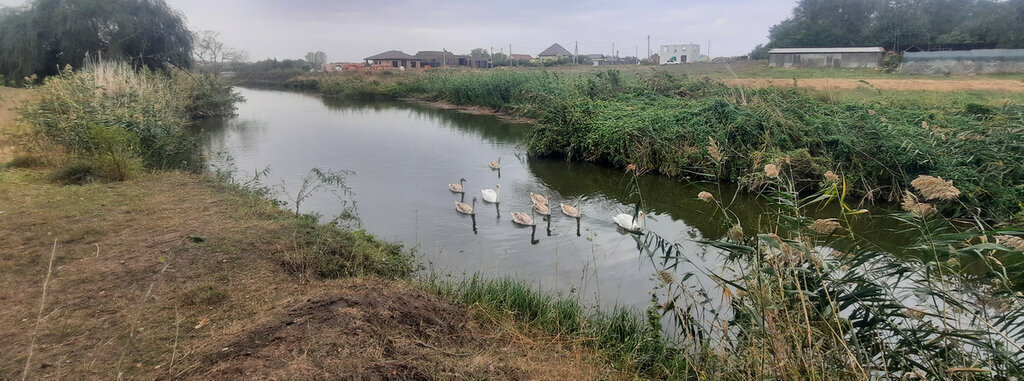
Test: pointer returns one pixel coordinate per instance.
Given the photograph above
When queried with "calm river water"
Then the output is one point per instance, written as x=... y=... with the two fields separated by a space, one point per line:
x=403 y=156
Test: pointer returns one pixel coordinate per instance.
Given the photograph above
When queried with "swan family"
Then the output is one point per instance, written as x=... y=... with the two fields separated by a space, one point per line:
x=628 y=222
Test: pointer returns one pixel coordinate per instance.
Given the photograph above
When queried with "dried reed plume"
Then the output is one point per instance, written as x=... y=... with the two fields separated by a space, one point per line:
x=831 y=176
x=933 y=188
x=714 y=150
x=771 y=170
x=826 y=226
x=735 y=233
x=919 y=209
x=705 y=196
x=1010 y=241
x=666 y=277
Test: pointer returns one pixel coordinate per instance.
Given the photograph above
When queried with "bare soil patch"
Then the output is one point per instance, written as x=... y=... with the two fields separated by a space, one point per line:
x=170 y=277
x=1006 y=85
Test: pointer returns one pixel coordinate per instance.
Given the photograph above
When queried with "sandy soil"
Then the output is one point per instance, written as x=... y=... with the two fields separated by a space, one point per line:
x=1008 y=85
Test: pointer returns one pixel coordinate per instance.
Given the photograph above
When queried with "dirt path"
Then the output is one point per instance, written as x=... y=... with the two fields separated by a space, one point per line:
x=1007 y=85
x=171 y=277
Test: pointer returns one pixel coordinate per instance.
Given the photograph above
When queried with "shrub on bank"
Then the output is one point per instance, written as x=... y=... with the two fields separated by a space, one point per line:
x=119 y=121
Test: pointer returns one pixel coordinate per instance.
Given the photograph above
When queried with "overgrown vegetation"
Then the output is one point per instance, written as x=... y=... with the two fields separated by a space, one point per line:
x=116 y=122
x=669 y=124
x=801 y=296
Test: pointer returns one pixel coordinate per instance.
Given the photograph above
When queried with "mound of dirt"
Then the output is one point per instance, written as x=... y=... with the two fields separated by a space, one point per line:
x=364 y=330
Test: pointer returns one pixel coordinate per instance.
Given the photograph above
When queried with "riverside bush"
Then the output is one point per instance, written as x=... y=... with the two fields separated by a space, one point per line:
x=120 y=121
x=666 y=124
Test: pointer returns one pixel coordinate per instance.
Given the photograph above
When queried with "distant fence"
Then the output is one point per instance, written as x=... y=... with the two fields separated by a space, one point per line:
x=960 y=62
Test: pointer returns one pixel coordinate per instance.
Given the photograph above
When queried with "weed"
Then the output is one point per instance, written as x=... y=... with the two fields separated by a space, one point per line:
x=206 y=294
x=75 y=173
x=25 y=161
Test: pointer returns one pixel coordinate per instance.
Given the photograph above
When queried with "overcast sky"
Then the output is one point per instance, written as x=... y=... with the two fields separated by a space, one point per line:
x=352 y=30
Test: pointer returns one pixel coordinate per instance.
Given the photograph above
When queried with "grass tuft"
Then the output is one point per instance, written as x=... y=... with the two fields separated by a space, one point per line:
x=206 y=294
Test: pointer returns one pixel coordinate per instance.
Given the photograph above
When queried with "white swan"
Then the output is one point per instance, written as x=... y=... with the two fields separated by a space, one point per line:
x=542 y=209
x=491 y=195
x=458 y=188
x=627 y=222
x=495 y=164
x=538 y=199
x=570 y=210
x=522 y=219
x=465 y=208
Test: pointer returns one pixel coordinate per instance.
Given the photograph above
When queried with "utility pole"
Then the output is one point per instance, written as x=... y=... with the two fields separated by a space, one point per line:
x=510 y=54
x=613 y=49
x=576 y=53
x=444 y=58
x=648 y=48
x=709 y=49
x=637 y=53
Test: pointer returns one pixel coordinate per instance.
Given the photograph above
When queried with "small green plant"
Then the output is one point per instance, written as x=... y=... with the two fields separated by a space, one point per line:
x=206 y=294
x=317 y=181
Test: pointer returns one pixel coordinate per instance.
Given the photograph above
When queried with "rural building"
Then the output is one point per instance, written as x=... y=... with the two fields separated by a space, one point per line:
x=436 y=58
x=554 y=51
x=475 y=62
x=826 y=57
x=394 y=59
x=959 y=62
x=678 y=53
x=521 y=57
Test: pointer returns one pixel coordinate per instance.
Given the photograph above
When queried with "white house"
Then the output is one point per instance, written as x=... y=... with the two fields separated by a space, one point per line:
x=678 y=53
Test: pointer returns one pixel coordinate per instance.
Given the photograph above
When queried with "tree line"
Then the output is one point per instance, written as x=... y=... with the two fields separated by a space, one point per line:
x=898 y=25
x=43 y=37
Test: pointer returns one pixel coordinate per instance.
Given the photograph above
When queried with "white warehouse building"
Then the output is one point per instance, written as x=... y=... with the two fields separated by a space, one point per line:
x=678 y=53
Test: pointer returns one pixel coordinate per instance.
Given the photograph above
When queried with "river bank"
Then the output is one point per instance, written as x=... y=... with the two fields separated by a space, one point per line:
x=173 y=275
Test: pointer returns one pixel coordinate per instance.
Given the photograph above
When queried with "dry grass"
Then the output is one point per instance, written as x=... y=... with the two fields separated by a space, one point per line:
x=129 y=291
x=10 y=100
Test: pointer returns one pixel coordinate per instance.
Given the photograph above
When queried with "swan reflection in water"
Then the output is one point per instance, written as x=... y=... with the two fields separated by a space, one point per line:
x=533 y=233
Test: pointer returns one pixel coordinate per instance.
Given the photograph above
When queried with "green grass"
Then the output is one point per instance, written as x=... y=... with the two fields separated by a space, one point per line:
x=628 y=342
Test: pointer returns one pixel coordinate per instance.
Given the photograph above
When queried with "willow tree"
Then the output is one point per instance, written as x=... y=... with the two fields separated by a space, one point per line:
x=46 y=35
